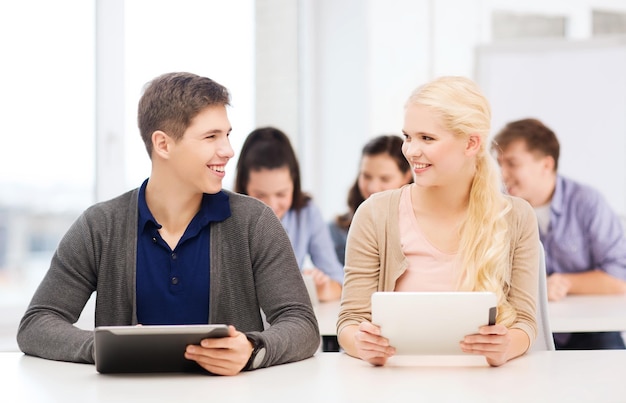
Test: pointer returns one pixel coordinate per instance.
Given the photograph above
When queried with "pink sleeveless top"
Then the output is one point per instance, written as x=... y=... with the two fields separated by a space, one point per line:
x=429 y=269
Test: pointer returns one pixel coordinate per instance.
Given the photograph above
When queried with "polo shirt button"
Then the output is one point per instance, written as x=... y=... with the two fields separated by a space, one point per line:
x=174 y=280
x=174 y=256
x=154 y=240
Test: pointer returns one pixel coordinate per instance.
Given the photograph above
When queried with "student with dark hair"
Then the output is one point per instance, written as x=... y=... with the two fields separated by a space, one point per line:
x=178 y=250
x=382 y=167
x=268 y=170
x=582 y=236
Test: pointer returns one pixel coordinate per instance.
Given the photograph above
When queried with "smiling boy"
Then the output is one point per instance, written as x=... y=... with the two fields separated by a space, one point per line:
x=178 y=250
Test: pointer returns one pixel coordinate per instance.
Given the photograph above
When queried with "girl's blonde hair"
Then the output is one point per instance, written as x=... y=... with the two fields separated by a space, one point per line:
x=484 y=246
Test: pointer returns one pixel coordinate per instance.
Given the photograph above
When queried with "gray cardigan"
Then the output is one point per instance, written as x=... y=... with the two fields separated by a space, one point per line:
x=252 y=268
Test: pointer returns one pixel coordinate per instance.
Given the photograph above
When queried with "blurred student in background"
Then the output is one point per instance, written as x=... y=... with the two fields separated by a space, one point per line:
x=582 y=236
x=451 y=230
x=382 y=167
x=268 y=170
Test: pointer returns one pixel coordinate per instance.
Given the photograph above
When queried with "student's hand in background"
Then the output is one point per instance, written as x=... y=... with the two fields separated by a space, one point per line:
x=327 y=289
x=558 y=286
x=224 y=355
x=319 y=277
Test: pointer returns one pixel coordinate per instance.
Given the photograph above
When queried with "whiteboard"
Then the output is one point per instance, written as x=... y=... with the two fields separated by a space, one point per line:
x=578 y=89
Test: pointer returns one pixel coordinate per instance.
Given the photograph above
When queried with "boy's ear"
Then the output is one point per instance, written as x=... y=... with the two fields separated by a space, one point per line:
x=160 y=144
x=473 y=144
x=548 y=163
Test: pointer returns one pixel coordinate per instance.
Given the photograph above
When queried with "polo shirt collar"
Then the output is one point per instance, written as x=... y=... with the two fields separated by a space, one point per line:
x=214 y=208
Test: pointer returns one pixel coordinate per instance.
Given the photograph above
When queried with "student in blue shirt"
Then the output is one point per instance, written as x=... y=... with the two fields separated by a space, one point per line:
x=582 y=236
x=178 y=250
x=268 y=170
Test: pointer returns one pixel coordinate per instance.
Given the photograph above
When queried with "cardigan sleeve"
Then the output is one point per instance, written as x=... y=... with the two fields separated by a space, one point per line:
x=46 y=329
x=524 y=283
x=362 y=269
x=253 y=272
x=293 y=334
x=97 y=253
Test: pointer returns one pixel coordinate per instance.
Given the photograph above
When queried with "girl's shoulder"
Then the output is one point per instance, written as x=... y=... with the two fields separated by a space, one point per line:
x=382 y=206
x=521 y=212
x=518 y=205
x=386 y=196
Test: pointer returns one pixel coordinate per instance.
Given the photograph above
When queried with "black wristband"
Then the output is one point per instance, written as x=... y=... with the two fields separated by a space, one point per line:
x=258 y=352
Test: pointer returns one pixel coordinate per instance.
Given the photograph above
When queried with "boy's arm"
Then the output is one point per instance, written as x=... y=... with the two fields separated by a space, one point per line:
x=293 y=333
x=46 y=329
x=593 y=282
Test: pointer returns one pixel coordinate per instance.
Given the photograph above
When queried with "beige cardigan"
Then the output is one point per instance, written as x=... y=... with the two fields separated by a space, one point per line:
x=374 y=260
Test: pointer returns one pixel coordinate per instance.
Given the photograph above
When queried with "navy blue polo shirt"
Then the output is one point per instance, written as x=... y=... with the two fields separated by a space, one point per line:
x=173 y=285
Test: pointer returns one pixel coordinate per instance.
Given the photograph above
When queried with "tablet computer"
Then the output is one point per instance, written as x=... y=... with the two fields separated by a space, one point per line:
x=431 y=323
x=124 y=349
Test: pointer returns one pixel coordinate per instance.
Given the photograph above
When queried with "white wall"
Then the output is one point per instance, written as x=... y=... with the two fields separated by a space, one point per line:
x=578 y=89
x=333 y=73
x=359 y=60
x=213 y=38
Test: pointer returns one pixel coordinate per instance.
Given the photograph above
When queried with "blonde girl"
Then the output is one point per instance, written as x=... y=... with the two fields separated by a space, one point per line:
x=451 y=230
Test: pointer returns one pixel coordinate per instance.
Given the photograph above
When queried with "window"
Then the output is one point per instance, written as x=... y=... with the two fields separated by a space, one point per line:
x=507 y=25
x=213 y=38
x=47 y=161
x=47 y=153
x=608 y=22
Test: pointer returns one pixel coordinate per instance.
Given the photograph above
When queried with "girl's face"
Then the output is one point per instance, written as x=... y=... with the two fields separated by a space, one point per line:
x=437 y=156
x=380 y=172
x=273 y=187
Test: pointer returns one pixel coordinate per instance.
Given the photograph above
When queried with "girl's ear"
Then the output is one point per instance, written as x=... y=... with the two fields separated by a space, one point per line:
x=474 y=142
x=161 y=144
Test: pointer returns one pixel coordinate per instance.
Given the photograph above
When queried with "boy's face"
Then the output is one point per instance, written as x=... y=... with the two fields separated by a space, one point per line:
x=526 y=174
x=199 y=158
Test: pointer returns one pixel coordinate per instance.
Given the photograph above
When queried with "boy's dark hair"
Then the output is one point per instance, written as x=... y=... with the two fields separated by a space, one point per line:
x=537 y=137
x=269 y=148
x=390 y=145
x=170 y=102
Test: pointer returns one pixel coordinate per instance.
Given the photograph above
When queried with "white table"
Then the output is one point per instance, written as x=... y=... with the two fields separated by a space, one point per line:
x=327 y=313
x=568 y=376
x=575 y=313
x=588 y=313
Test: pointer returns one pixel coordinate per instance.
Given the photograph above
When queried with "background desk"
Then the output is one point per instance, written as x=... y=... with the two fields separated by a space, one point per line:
x=588 y=313
x=568 y=376
x=576 y=313
x=326 y=313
